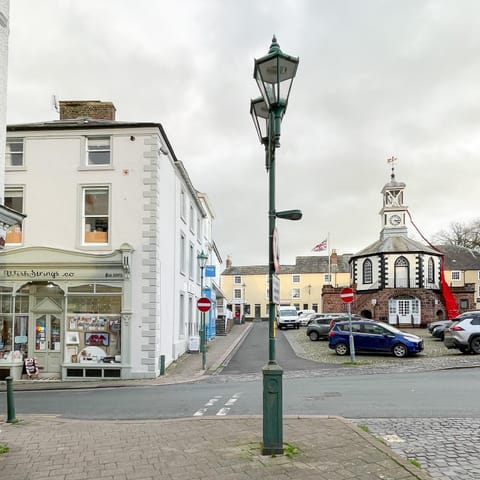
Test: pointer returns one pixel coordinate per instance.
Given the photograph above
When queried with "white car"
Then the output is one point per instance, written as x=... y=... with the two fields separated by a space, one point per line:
x=306 y=317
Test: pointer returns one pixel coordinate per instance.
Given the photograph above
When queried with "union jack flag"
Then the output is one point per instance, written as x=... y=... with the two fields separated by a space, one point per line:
x=321 y=246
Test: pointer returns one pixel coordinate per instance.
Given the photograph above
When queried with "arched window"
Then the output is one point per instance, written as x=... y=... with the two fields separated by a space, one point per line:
x=367 y=277
x=431 y=271
x=402 y=273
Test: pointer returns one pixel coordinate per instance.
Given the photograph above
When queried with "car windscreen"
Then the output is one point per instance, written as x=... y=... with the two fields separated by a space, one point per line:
x=288 y=313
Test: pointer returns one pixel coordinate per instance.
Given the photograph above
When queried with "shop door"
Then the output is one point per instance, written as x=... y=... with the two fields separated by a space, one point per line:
x=47 y=342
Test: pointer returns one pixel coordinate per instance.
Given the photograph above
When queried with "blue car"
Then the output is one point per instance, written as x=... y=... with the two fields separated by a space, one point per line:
x=372 y=336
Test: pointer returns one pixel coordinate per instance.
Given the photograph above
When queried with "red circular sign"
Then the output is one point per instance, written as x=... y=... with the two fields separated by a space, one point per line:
x=346 y=295
x=204 y=304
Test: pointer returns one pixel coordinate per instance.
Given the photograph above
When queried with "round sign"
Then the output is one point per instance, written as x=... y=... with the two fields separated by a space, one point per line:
x=346 y=295
x=204 y=304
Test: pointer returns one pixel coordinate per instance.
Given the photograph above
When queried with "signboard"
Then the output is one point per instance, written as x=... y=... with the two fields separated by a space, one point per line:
x=210 y=271
x=276 y=252
x=204 y=304
x=346 y=295
x=275 y=289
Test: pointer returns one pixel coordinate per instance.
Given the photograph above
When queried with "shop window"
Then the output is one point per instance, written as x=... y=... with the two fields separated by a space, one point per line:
x=13 y=325
x=98 y=151
x=93 y=324
x=14 y=200
x=96 y=215
x=14 y=153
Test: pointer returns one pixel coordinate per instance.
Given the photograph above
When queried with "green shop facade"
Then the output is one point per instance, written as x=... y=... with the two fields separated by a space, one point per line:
x=70 y=311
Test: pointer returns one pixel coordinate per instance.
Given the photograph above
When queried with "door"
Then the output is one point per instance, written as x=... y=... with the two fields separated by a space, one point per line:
x=48 y=342
x=404 y=310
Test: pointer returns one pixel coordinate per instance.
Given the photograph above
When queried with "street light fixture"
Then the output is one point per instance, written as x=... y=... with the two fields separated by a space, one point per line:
x=274 y=74
x=202 y=262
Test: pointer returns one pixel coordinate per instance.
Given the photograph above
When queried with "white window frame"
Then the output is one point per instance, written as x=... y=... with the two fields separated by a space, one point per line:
x=237 y=293
x=295 y=278
x=182 y=252
x=14 y=230
x=89 y=150
x=191 y=261
x=192 y=219
x=183 y=204
x=237 y=279
x=84 y=231
x=456 y=275
x=295 y=293
x=9 y=153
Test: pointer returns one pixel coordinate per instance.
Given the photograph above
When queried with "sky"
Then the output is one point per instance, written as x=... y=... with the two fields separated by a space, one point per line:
x=376 y=79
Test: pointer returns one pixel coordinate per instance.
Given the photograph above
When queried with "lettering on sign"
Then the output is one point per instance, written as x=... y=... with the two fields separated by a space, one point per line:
x=37 y=274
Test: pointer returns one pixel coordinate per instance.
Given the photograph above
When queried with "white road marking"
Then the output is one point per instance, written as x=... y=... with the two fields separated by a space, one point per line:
x=223 y=411
x=200 y=412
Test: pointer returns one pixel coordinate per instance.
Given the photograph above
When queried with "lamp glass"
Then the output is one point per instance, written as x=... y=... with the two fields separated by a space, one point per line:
x=202 y=259
x=260 y=116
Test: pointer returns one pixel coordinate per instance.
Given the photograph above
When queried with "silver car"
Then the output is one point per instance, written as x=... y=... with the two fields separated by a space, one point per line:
x=464 y=333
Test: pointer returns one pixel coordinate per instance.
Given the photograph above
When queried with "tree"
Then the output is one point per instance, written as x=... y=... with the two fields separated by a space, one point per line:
x=465 y=234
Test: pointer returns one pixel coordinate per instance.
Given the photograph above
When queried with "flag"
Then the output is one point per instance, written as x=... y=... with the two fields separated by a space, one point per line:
x=321 y=246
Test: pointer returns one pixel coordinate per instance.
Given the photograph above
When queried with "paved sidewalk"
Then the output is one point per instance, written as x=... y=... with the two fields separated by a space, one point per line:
x=45 y=447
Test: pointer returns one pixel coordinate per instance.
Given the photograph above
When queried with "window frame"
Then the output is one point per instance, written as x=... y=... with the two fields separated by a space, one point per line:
x=8 y=153
x=14 y=230
x=367 y=272
x=89 y=151
x=83 y=230
x=456 y=273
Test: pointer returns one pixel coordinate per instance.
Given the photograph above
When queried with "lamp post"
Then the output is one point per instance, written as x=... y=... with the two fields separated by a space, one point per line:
x=202 y=261
x=274 y=74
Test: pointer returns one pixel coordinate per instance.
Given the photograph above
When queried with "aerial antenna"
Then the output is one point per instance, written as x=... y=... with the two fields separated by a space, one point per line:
x=55 y=103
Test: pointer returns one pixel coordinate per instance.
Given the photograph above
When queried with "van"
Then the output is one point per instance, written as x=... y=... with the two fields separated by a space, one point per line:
x=287 y=316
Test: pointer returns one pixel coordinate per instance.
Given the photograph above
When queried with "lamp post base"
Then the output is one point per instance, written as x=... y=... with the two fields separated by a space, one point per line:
x=272 y=410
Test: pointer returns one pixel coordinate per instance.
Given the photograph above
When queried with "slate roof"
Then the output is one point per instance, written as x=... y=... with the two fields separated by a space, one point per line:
x=460 y=258
x=390 y=244
x=308 y=264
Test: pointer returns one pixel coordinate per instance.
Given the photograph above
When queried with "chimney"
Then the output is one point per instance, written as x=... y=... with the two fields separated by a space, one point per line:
x=72 y=109
x=333 y=258
x=228 y=261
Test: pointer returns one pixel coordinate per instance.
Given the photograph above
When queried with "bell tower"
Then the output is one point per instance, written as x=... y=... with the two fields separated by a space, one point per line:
x=393 y=212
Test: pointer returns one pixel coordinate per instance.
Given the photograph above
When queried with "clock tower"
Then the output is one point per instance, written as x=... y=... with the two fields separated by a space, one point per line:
x=393 y=212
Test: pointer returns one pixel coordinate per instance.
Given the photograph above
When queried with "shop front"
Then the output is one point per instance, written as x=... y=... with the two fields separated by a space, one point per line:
x=65 y=313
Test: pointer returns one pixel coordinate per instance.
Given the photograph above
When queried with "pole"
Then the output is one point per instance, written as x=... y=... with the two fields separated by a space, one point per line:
x=203 y=336
x=10 y=401
x=350 y=339
x=272 y=372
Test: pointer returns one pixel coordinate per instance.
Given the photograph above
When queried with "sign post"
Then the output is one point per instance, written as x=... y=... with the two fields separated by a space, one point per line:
x=347 y=297
x=203 y=304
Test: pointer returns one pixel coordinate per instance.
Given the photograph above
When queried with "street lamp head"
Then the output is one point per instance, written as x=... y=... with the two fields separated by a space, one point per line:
x=202 y=259
x=274 y=74
x=289 y=214
x=260 y=116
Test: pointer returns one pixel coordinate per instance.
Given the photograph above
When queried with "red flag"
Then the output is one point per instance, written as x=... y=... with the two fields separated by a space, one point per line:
x=320 y=247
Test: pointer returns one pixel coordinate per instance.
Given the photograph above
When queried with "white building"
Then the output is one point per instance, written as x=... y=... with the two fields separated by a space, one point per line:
x=102 y=278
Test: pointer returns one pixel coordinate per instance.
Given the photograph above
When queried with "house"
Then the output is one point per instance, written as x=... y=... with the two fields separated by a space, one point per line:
x=101 y=279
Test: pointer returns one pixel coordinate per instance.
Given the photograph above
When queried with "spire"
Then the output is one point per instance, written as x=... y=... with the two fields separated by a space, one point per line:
x=392 y=161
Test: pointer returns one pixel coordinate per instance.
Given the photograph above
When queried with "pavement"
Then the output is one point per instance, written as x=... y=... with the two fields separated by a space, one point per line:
x=42 y=447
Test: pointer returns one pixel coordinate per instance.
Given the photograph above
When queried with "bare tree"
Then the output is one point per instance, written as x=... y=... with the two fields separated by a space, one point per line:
x=465 y=234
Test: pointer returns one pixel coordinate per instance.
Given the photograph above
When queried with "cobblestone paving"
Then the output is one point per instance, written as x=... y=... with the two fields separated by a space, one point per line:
x=447 y=448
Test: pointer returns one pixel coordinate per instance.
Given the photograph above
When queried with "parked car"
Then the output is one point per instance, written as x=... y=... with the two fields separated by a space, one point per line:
x=373 y=336
x=320 y=326
x=439 y=323
x=439 y=330
x=306 y=318
x=464 y=333
x=287 y=316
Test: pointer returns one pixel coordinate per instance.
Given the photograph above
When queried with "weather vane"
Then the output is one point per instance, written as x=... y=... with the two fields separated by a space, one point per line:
x=392 y=161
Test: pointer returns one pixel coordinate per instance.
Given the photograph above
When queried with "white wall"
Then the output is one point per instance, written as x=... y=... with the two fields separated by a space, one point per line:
x=4 y=15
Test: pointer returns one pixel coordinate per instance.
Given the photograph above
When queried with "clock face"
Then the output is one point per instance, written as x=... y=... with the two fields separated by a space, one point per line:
x=395 y=220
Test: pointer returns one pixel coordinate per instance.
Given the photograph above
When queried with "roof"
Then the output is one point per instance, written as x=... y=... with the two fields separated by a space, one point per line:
x=460 y=258
x=76 y=123
x=309 y=264
x=395 y=244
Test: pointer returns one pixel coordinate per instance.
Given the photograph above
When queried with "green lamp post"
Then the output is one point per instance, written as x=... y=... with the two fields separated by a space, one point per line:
x=202 y=262
x=274 y=74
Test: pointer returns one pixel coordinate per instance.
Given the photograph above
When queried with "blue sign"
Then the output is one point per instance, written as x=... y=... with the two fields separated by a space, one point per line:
x=209 y=270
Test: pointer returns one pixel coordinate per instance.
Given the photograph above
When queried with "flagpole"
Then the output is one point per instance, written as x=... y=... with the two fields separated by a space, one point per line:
x=328 y=252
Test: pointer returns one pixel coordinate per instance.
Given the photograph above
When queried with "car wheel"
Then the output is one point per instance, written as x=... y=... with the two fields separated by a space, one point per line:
x=341 y=349
x=442 y=336
x=313 y=336
x=464 y=349
x=400 y=350
x=475 y=345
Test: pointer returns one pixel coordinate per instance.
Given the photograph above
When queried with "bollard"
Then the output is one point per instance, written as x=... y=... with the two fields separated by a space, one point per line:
x=10 y=403
x=162 y=364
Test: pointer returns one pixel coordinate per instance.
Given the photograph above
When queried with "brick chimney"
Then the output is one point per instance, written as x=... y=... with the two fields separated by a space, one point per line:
x=72 y=109
x=228 y=262
x=333 y=258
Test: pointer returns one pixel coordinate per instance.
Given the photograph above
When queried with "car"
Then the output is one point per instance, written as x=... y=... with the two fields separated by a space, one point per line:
x=439 y=323
x=439 y=330
x=373 y=336
x=320 y=326
x=287 y=316
x=306 y=318
x=464 y=333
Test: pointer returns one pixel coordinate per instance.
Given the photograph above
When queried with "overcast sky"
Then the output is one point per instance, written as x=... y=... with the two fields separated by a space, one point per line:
x=375 y=79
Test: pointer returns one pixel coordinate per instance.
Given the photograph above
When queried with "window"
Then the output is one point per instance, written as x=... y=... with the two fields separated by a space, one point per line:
x=295 y=293
x=14 y=153
x=192 y=219
x=181 y=314
x=191 y=265
x=402 y=273
x=98 y=151
x=431 y=271
x=463 y=303
x=315 y=307
x=14 y=200
x=456 y=276
x=295 y=278
x=96 y=215
x=237 y=293
x=182 y=205
x=182 y=253
x=327 y=278
x=199 y=228
x=237 y=279
x=367 y=271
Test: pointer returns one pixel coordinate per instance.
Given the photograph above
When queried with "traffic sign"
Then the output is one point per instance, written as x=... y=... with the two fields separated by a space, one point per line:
x=204 y=304
x=346 y=295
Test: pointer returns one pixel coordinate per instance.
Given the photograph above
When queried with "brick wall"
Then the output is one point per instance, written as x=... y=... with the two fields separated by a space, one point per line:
x=96 y=109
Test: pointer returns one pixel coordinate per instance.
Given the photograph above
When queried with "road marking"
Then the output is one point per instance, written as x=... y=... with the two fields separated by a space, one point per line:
x=224 y=410
x=213 y=401
x=200 y=412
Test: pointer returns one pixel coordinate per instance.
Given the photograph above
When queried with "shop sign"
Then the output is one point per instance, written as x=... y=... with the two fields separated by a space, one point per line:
x=33 y=274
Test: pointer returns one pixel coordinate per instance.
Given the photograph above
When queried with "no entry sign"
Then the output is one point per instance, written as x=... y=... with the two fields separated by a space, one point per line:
x=204 y=304
x=346 y=295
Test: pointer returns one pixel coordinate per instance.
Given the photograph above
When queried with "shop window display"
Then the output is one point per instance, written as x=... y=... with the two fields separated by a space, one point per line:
x=93 y=324
x=13 y=325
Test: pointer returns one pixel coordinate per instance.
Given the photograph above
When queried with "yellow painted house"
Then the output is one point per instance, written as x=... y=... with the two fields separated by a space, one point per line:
x=301 y=284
